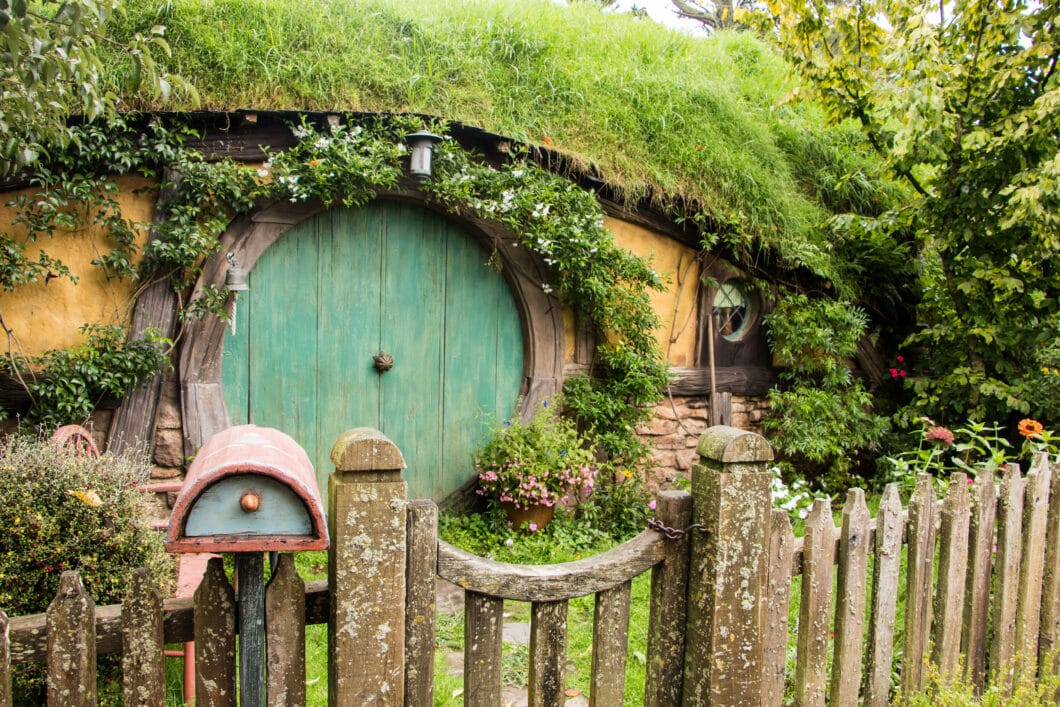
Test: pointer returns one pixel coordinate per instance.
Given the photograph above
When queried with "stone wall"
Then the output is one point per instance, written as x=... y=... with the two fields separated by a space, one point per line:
x=674 y=429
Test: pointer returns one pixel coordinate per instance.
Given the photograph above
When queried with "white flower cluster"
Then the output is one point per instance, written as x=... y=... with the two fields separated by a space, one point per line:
x=794 y=499
x=290 y=182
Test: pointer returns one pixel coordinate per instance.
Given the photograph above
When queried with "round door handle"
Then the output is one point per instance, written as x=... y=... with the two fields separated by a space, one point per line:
x=383 y=361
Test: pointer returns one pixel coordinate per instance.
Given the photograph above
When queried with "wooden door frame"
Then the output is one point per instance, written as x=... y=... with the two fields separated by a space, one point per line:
x=203 y=406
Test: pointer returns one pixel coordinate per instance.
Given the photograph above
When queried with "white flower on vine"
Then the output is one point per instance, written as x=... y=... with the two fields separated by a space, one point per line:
x=301 y=132
x=541 y=210
x=546 y=288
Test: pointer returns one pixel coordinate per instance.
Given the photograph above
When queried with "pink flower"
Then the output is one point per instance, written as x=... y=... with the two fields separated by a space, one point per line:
x=939 y=434
x=533 y=527
x=651 y=504
x=900 y=359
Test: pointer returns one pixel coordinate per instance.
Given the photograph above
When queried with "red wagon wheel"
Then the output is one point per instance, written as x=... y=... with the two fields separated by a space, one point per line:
x=75 y=440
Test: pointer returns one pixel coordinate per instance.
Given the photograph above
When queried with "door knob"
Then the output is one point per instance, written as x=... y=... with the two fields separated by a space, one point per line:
x=383 y=361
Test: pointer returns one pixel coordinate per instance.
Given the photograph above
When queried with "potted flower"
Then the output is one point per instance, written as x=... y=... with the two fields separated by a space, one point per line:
x=528 y=468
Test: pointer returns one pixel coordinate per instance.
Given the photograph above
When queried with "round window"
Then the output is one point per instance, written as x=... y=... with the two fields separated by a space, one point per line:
x=732 y=310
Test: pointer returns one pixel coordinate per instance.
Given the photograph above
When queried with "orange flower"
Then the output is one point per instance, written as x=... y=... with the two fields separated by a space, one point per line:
x=314 y=163
x=1029 y=427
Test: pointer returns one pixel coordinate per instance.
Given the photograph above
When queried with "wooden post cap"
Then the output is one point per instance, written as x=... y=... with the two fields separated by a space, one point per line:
x=366 y=449
x=728 y=445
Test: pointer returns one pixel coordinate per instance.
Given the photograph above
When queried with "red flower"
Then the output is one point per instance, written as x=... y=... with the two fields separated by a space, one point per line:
x=894 y=373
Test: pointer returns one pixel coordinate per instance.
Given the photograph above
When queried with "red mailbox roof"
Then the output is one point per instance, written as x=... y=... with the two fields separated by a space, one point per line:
x=248 y=449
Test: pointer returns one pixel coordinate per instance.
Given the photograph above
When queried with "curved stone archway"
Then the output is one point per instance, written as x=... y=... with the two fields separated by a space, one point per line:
x=202 y=399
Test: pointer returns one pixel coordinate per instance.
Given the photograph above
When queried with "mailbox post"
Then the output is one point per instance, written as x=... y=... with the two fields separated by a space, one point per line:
x=249 y=491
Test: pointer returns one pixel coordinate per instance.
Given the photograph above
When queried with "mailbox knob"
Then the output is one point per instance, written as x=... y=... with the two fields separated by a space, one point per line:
x=250 y=501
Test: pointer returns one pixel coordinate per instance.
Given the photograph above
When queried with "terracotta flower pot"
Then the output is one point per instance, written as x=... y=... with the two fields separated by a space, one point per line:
x=539 y=516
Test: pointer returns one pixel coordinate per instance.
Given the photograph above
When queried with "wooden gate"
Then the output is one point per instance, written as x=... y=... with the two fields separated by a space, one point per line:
x=350 y=284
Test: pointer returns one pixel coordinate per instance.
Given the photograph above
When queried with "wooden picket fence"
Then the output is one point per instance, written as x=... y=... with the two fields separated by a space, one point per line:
x=983 y=561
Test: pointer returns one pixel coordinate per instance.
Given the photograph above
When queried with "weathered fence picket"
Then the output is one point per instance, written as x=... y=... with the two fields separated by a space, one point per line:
x=1032 y=565
x=1006 y=580
x=548 y=652
x=421 y=567
x=720 y=594
x=143 y=664
x=885 y=569
x=980 y=562
x=778 y=602
x=483 y=641
x=815 y=607
x=215 y=638
x=1049 y=638
x=610 y=642
x=921 y=553
x=952 y=577
x=669 y=606
x=853 y=559
x=285 y=636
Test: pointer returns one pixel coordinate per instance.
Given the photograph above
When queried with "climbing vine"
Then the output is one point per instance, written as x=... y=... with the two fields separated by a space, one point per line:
x=340 y=164
x=74 y=189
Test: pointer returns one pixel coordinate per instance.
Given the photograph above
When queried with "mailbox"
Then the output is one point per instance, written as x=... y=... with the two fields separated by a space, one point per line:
x=249 y=489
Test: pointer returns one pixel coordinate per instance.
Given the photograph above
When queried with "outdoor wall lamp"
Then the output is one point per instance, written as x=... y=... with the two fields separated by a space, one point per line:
x=235 y=282
x=422 y=145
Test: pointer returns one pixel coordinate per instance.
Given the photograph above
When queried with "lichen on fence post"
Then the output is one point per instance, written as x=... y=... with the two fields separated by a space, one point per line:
x=366 y=571
x=71 y=620
x=728 y=569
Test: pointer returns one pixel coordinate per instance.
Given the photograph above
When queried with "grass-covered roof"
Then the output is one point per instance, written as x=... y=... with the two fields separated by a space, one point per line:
x=691 y=123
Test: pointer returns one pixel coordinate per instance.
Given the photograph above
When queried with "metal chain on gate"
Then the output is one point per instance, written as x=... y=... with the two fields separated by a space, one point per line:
x=674 y=533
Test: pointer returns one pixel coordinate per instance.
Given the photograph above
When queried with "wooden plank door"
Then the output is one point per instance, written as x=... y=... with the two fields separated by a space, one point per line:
x=347 y=284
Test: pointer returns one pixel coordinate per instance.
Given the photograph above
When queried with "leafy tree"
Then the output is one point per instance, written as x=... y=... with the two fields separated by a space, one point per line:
x=51 y=69
x=724 y=14
x=963 y=101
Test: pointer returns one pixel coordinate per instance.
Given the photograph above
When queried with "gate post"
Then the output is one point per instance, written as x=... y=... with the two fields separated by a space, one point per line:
x=728 y=569
x=366 y=571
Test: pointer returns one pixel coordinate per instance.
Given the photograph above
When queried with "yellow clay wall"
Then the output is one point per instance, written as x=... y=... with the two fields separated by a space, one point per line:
x=44 y=316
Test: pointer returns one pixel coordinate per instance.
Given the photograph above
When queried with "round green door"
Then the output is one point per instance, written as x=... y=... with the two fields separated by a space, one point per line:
x=345 y=285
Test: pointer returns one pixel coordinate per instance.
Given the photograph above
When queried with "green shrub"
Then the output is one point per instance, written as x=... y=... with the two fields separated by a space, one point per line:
x=820 y=415
x=61 y=512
